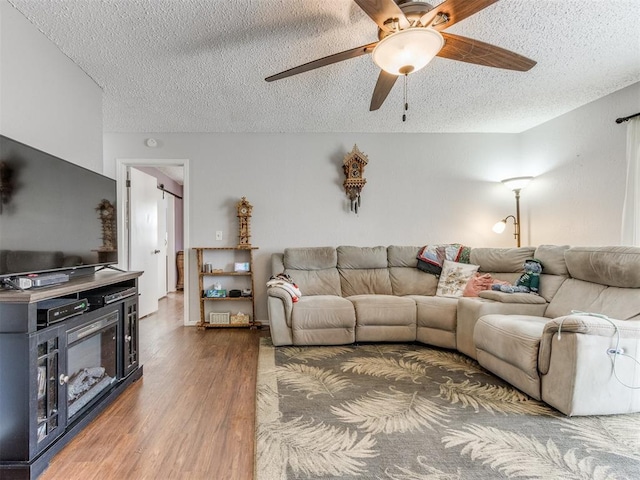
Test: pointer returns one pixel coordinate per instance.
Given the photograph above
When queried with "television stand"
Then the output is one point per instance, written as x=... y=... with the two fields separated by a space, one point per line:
x=41 y=365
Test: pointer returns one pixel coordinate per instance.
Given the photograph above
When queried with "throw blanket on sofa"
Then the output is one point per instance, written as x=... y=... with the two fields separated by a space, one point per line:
x=431 y=257
x=285 y=282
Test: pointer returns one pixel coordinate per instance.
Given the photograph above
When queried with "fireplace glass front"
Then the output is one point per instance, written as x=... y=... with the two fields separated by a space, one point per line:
x=92 y=362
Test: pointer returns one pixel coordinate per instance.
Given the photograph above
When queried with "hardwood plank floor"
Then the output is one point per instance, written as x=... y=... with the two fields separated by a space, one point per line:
x=190 y=416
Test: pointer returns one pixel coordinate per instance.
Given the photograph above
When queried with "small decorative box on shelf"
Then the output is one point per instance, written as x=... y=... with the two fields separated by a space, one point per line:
x=239 y=319
x=214 y=293
x=216 y=318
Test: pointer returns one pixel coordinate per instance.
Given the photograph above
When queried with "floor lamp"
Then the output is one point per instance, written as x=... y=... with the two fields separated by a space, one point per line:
x=516 y=184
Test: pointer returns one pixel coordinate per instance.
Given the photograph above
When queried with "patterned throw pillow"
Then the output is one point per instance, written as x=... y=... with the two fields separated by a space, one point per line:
x=454 y=278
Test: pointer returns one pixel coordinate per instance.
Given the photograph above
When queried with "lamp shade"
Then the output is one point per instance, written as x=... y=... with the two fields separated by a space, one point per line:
x=408 y=50
x=517 y=183
x=500 y=226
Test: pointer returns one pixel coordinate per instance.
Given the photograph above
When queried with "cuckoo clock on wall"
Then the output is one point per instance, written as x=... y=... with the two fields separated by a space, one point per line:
x=244 y=229
x=353 y=166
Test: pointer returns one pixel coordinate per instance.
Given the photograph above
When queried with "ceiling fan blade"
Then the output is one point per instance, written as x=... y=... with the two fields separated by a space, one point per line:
x=321 y=62
x=383 y=87
x=455 y=11
x=382 y=10
x=474 y=51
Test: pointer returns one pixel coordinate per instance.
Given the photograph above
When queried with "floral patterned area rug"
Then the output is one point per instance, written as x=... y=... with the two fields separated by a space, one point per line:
x=412 y=412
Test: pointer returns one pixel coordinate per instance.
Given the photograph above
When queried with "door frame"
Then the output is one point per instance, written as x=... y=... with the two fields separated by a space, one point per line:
x=123 y=241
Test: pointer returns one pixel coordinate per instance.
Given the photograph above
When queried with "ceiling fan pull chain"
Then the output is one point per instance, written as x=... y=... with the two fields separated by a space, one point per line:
x=406 y=103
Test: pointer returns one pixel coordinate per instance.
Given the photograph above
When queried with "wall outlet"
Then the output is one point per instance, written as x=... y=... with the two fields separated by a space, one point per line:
x=219 y=235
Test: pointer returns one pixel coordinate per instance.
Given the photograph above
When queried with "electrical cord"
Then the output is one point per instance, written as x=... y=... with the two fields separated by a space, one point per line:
x=612 y=352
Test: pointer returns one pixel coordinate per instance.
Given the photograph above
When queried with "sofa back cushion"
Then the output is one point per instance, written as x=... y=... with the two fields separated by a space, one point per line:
x=363 y=270
x=313 y=269
x=614 y=302
x=501 y=260
x=406 y=278
x=554 y=269
x=605 y=280
x=612 y=266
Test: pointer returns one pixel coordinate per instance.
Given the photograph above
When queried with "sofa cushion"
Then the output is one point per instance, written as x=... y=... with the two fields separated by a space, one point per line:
x=402 y=256
x=501 y=260
x=362 y=257
x=508 y=346
x=554 y=269
x=406 y=278
x=411 y=281
x=470 y=310
x=310 y=258
x=613 y=266
x=363 y=270
x=313 y=269
x=384 y=318
x=436 y=320
x=436 y=312
x=618 y=303
x=454 y=278
x=552 y=259
x=323 y=320
x=517 y=297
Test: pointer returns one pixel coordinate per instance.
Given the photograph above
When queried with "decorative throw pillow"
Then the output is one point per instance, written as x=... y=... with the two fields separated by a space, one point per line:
x=477 y=283
x=454 y=278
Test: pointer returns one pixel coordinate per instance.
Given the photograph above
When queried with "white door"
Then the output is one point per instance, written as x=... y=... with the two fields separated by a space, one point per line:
x=172 y=272
x=143 y=237
x=163 y=236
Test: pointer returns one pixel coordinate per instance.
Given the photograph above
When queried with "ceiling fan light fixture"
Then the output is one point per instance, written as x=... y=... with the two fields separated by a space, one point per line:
x=407 y=51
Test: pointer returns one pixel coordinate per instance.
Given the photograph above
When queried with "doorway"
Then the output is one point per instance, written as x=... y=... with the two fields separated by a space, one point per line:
x=152 y=282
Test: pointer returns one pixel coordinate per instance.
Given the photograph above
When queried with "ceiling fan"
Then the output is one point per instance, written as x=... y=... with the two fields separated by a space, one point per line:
x=410 y=35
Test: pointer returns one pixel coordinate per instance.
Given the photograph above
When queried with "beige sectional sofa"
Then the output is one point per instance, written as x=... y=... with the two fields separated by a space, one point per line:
x=376 y=294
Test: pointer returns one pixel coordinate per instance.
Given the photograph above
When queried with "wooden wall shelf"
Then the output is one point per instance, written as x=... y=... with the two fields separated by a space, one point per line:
x=223 y=259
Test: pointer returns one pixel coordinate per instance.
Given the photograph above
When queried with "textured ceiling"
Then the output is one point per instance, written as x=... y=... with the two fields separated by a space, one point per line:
x=199 y=65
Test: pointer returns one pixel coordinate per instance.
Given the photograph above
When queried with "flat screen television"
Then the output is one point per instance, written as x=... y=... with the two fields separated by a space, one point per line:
x=54 y=215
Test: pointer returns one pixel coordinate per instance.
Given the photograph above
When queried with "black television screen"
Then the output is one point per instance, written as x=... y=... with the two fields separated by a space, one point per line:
x=54 y=215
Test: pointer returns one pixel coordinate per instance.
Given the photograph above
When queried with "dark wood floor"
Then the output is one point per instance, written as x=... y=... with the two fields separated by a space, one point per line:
x=191 y=416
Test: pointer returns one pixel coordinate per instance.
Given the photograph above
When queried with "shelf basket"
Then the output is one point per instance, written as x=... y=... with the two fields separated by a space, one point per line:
x=240 y=319
x=219 y=318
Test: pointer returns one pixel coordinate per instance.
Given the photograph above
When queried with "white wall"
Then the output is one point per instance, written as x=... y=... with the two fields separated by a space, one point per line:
x=579 y=161
x=420 y=189
x=46 y=100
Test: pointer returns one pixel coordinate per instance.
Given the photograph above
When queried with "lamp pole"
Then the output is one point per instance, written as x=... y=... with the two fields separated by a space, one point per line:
x=517 y=220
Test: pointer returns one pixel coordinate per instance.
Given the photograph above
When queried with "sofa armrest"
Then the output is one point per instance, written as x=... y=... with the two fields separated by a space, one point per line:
x=579 y=372
x=285 y=296
x=503 y=297
x=584 y=325
x=280 y=306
